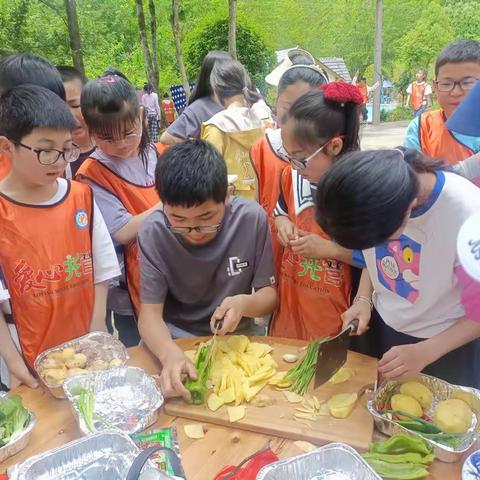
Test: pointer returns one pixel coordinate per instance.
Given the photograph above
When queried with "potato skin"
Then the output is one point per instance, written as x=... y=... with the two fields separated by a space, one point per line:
x=419 y=392
x=453 y=416
x=407 y=404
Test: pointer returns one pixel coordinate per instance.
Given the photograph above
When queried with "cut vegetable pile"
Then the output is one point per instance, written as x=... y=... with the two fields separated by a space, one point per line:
x=13 y=418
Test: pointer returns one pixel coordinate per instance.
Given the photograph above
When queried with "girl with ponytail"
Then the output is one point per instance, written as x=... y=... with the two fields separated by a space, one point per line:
x=403 y=212
x=233 y=131
x=315 y=279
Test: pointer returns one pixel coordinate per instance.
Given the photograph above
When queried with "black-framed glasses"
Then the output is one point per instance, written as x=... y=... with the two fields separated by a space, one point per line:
x=49 y=156
x=185 y=230
x=466 y=84
x=301 y=164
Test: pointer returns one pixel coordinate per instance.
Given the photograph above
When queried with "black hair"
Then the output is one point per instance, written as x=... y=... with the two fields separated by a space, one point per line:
x=458 y=52
x=70 y=73
x=191 y=173
x=202 y=86
x=316 y=120
x=22 y=68
x=115 y=71
x=26 y=107
x=301 y=73
x=148 y=87
x=110 y=106
x=423 y=71
x=229 y=79
x=363 y=199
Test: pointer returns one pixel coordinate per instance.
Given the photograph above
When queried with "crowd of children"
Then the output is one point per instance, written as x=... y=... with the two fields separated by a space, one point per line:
x=227 y=220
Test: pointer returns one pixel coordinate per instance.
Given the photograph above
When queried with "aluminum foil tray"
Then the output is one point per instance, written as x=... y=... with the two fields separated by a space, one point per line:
x=96 y=345
x=102 y=456
x=335 y=461
x=441 y=391
x=21 y=441
x=126 y=399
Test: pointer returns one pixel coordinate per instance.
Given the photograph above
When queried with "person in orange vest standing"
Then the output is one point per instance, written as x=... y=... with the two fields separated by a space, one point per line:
x=121 y=172
x=419 y=93
x=457 y=70
x=168 y=108
x=365 y=91
x=56 y=256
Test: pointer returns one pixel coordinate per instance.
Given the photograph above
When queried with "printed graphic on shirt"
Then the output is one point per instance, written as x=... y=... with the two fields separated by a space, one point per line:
x=236 y=266
x=398 y=267
x=81 y=219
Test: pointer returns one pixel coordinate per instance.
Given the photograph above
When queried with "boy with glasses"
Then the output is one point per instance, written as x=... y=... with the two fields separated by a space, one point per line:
x=457 y=70
x=56 y=255
x=205 y=258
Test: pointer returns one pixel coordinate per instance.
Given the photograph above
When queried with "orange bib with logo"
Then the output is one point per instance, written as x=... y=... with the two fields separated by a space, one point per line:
x=418 y=94
x=136 y=199
x=437 y=141
x=313 y=292
x=46 y=260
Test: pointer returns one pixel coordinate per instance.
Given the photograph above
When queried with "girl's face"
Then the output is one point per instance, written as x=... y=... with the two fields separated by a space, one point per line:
x=288 y=97
x=125 y=146
x=317 y=159
x=73 y=90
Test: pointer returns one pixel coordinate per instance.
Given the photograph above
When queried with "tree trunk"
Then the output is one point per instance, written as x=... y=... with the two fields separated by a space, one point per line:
x=74 y=34
x=153 y=30
x=377 y=75
x=144 y=41
x=178 y=47
x=232 y=28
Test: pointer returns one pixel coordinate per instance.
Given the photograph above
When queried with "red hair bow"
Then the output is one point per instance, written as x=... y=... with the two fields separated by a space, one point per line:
x=342 y=92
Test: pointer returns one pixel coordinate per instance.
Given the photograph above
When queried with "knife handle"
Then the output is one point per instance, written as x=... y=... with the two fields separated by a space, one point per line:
x=218 y=325
x=353 y=326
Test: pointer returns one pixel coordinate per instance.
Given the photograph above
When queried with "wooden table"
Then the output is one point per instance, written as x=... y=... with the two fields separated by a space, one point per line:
x=201 y=459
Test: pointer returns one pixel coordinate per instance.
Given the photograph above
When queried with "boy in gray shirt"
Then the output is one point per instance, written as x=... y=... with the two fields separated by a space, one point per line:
x=201 y=256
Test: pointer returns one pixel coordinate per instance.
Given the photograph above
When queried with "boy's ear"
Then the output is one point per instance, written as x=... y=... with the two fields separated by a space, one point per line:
x=6 y=146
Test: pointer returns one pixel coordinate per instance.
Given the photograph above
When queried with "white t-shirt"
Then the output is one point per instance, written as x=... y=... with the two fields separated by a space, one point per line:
x=469 y=168
x=426 y=93
x=416 y=288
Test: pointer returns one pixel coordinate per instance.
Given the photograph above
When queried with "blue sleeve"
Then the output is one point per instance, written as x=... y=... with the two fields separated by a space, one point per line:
x=411 y=138
x=358 y=259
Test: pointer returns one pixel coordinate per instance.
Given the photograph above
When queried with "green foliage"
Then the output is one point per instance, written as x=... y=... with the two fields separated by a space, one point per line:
x=399 y=113
x=252 y=51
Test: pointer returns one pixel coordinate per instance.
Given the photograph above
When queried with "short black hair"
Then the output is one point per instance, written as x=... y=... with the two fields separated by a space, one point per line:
x=115 y=71
x=26 y=107
x=309 y=74
x=22 y=68
x=190 y=174
x=70 y=73
x=458 y=52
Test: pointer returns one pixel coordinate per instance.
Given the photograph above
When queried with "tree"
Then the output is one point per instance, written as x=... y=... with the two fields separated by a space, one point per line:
x=153 y=31
x=74 y=34
x=152 y=75
x=178 y=46
x=232 y=28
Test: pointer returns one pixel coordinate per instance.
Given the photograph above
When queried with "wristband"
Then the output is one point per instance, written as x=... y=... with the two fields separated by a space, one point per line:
x=361 y=298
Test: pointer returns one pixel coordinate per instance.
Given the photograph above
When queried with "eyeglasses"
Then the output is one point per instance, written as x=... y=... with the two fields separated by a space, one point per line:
x=127 y=139
x=466 y=84
x=301 y=164
x=49 y=156
x=185 y=230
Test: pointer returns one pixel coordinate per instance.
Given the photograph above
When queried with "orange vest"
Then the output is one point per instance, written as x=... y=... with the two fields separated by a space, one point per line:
x=268 y=169
x=313 y=292
x=169 y=109
x=437 y=141
x=418 y=94
x=5 y=165
x=364 y=92
x=136 y=199
x=46 y=260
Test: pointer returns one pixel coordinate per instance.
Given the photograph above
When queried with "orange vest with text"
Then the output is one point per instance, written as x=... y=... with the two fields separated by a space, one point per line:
x=136 y=199
x=418 y=94
x=313 y=292
x=364 y=92
x=169 y=109
x=268 y=169
x=437 y=141
x=46 y=260
x=5 y=165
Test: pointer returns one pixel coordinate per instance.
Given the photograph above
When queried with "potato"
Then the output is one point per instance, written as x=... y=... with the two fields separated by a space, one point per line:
x=57 y=355
x=453 y=416
x=419 y=392
x=55 y=376
x=239 y=343
x=77 y=360
x=214 y=402
x=407 y=404
x=98 y=365
x=292 y=397
x=194 y=430
x=344 y=374
x=50 y=362
x=76 y=371
x=470 y=399
x=68 y=352
x=116 y=362
x=228 y=395
x=236 y=413
x=341 y=405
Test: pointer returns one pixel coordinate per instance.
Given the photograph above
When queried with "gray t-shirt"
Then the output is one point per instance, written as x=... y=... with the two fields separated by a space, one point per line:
x=191 y=281
x=189 y=122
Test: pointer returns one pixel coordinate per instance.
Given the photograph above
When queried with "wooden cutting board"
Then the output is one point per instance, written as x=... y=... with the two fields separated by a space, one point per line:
x=278 y=419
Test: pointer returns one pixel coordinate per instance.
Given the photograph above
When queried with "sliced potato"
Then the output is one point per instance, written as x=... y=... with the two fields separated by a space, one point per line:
x=277 y=378
x=292 y=397
x=341 y=405
x=343 y=375
x=305 y=446
x=214 y=402
x=236 y=413
x=228 y=395
x=239 y=343
x=194 y=430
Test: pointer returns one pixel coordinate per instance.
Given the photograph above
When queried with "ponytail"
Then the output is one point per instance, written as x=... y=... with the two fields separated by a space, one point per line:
x=421 y=163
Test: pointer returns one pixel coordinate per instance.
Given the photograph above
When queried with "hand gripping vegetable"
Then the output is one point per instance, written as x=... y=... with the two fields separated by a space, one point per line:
x=198 y=387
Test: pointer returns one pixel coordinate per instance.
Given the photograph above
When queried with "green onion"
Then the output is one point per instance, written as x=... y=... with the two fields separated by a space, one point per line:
x=301 y=375
x=85 y=403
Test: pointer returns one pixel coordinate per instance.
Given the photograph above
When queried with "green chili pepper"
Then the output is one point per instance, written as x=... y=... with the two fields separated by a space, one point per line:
x=198 y=388
x=398 y=471
x=415 y=423
x=410 y=457
x=401 y=444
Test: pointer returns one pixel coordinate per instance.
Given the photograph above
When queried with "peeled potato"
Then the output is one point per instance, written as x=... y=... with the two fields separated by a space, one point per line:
x=76 y=371
x=342 y=375
x=194 y=430
x=341 y=405
x=50 y=362
x=214 y=402
x=418 y=391
x=470 y=399
x=116 y=362
x=407 y=404
x=68 y=352
x=77 y=360
x=236 y=413
x=54 y=376
x=292 y=397
x=453 y=416
x=98 y=365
